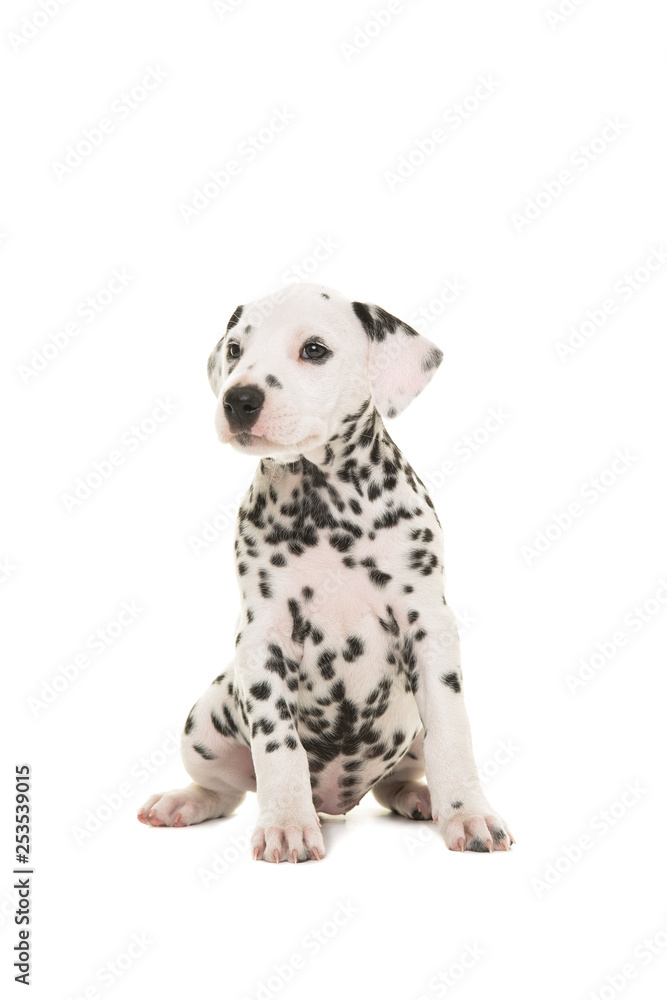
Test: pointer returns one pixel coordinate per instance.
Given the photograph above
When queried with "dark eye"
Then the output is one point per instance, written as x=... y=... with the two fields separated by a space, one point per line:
x=233 y=350
x=314 y=352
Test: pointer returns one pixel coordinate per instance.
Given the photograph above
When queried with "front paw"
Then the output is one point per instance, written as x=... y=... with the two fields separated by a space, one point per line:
x=477 y=829
x=296 y=841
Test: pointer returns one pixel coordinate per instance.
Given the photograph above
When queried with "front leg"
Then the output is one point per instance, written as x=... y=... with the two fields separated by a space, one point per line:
x=459 y=806
x=268 y=668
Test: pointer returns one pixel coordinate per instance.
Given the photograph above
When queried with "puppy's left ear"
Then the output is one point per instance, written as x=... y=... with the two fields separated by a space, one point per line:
x=401 y=361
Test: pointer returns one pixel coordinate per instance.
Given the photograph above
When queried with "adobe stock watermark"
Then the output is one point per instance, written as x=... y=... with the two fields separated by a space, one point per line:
x=643 y=955
x=452 y=120
x=589 y=493
x=224 y=7
x=599 y=826
x=7 y=569
x=236 y=847
x=111 y=802
x=85 y=312
x=424 y=833
x=442 y=640
x=95 y=644
x=424 y=316
x=623 y=290
x=7 y=907
x=633 y=622
x=445 y=980
x=114 y=969
x=377 y=22
x=304 y=269
x=216 y=525
x=562 y=12
x=579 y=161
x=130 y=442
x=33 y=24
x=121 y=108
x=219 y=180
x=310 y=945
x=468 y=446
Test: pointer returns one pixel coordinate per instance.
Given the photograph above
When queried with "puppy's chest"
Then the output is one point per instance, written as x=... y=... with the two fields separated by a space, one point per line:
x=338 y=557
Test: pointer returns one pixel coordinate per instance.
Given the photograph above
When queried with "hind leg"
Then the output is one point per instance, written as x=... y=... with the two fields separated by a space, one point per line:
x=401 y=790
x=216 y=756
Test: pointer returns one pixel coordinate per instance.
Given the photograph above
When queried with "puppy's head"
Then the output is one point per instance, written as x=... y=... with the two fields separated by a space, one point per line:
x=293 y=365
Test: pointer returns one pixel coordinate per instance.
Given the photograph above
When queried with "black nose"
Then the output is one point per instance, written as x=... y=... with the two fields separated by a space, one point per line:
x=242 y=405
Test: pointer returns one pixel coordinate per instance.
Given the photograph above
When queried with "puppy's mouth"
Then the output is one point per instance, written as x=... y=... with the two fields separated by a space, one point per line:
x=257 y=444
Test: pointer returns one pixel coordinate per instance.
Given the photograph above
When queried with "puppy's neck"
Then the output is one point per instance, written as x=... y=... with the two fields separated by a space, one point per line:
x=360 y=443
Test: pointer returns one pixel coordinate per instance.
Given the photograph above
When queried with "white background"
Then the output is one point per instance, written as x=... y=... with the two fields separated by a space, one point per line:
x=533 y=922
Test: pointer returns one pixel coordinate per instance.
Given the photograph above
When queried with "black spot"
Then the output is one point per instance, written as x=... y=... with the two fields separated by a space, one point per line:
x=261 y=691
x=354 y=506
x=300 y=627
x=276 y=662
x=452 y=681
x=263 y=725
x=390 y=625
x=190 y=721
x=324 y=662
x=283 y=709
x=337 y=691
x=392 y=516
x=341 y=542
x=290 y=743
x=378 y=578
x=324 y=295
x=316 y=636
x=217 y=724
x=355 y=649
x=277 y=559
x=432 y=359
x=376 y=326
x=204 y=751
x=273 y=745
x=235 y=317
x=457 y=804
x=413 y=616
x=307 y=593
x=352 y=765
x=273 y=382
x=477 y=845
x=233 y=728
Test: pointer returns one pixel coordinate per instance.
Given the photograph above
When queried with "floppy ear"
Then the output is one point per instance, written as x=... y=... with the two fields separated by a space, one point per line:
x=401 y=361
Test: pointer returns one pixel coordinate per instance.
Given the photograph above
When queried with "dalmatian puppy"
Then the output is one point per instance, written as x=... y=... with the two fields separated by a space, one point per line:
x=346 y=676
